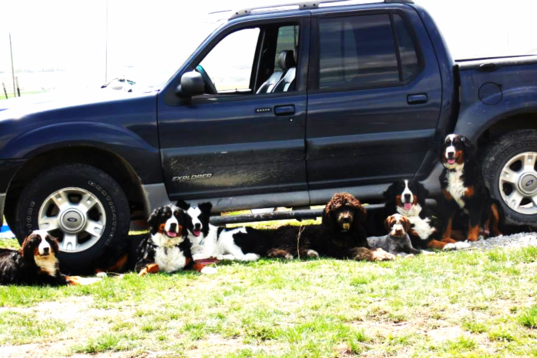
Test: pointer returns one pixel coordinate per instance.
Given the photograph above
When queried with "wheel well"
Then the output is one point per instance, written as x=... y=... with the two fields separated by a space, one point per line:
x=108 y=162
x=506 y=125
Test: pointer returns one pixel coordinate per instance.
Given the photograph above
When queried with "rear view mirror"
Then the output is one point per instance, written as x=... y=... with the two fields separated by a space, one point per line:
x=192 y=84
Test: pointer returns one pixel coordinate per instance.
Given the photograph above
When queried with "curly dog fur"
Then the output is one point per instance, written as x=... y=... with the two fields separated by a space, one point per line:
x=341 y=234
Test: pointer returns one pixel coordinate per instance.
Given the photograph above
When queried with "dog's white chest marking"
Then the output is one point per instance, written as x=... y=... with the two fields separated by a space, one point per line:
x=421 y=226
x=456 y=187
x=170 y=259
x=46 y=264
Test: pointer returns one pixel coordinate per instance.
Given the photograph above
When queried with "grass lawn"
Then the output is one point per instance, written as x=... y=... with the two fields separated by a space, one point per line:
x=458 y=304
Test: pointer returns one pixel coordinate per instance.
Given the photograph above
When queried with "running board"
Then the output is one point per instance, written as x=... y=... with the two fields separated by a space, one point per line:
x=278 y=215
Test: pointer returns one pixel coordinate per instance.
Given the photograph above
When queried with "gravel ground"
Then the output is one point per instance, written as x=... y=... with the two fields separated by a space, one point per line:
x=515 y=240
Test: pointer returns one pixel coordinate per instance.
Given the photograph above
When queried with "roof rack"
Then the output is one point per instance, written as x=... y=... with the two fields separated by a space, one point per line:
x=308 y=5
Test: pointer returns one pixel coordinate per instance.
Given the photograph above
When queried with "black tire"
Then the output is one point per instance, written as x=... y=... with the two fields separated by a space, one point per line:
x=91 y=179
x=496 y=155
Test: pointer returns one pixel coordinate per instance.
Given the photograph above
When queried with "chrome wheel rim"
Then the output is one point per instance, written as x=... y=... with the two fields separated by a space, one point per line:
x=518 y=183
x=75 y=216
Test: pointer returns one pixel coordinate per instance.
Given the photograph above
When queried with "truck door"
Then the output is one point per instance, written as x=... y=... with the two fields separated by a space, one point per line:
x=249 y=137
x=374 y=98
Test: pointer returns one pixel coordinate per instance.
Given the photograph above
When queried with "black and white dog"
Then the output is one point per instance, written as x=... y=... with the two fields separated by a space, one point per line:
x=166 y=248
x=209 y=241
x=36 y=263
x=407 y=197
x=397 y=242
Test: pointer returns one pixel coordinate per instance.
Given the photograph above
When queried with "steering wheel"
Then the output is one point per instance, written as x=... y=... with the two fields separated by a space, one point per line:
x=209 y=85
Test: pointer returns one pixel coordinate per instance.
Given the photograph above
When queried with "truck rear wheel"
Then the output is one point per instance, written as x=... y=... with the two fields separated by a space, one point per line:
x=510 y=172
x=82 y=206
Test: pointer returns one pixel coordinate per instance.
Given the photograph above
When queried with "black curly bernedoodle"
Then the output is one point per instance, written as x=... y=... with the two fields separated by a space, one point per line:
x=341 y=235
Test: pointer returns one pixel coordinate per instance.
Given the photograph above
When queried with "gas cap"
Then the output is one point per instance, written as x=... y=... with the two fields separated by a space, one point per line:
x=491 y=93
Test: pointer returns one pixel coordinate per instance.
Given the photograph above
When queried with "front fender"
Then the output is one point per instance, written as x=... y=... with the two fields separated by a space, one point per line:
x=478 y=117
x=143 y=158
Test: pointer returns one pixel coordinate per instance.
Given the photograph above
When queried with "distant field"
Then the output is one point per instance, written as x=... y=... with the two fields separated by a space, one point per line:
x=3 y=96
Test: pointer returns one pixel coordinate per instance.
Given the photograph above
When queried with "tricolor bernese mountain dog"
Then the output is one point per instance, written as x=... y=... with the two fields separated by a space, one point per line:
x=407 y=197
x=209 y=241
x=166 y=248
x=36 y=263
x=463 y=189
x=397 y=242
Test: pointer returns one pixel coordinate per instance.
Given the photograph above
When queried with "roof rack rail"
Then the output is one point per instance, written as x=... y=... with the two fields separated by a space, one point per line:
x=306 y=5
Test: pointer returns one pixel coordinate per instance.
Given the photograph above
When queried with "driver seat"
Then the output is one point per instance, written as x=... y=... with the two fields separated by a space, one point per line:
x=287 y=62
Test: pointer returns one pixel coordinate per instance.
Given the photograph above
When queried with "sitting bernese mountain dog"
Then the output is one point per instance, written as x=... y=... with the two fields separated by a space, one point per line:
x=341 y=235
x=407 y=197
x=463 y=189
x=166 y=248
x=397 y=242
x=209 y=241
x=36 y=263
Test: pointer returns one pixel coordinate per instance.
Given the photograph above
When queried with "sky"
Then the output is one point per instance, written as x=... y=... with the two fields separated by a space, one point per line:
x=61 y=44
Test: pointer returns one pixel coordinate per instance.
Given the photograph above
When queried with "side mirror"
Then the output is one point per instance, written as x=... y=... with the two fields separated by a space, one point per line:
x=192 y=84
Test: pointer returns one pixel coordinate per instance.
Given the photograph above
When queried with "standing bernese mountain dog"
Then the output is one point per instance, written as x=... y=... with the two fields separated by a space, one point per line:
x=463 y=188
x=36 y=263
x=166 y=248
x=407 y=197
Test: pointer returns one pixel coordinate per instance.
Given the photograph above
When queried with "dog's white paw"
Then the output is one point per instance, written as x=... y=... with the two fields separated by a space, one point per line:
x=251 y=257
x=208 y=270
x=102 y=274
x=313 y=254
x=463 y=245
x=89 y=280
x=425 y=252
x=289 y=257
x=197 y=257
x=449 y=247
x=226 y=257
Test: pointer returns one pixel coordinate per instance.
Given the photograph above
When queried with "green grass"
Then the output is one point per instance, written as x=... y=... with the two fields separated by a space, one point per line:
x=458 y=304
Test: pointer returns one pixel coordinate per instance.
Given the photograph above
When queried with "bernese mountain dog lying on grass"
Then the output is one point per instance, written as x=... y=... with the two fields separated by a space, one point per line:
x=166 y=248
x=341 y=235
x=464 y=190
x=36 y=263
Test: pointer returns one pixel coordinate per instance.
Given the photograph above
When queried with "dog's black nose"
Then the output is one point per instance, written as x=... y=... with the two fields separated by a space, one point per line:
x=407 y=197
x=173 y=227
x=46 y=250
x=450 y=155
x=197 y=226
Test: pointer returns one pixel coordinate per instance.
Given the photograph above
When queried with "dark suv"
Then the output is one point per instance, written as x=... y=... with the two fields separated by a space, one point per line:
x=277 y=107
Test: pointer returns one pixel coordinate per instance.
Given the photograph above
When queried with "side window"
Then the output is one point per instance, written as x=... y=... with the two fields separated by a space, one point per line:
x=357 y=51
x=287 y=41
x=409 y=57
x=230 y=62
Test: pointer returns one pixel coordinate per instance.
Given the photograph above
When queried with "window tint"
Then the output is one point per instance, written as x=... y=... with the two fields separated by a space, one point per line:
x=357 y=51
x=230 y=62
x=287 y=40
x=409 y=57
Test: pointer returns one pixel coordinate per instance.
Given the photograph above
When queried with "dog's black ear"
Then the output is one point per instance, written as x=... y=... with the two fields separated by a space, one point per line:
x=390 y=192
x=422 y=193
x=327 y=219
x=53 y=242
x=183 y=205
x=469 y=148
x=205 y=208
x=28 y=246
x=153 y=221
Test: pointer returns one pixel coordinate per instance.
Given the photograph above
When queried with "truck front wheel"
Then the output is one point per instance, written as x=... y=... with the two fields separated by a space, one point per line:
x=82 y=206
x=510 y=172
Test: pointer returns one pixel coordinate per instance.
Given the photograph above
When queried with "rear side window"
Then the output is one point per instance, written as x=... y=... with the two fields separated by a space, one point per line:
x=409 y=57
x=361 y=51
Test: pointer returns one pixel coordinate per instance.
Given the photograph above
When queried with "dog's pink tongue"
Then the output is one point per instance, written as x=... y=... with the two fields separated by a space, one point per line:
x=172 y=234
x=451 y=161
x=196 y=233
x=408 y=206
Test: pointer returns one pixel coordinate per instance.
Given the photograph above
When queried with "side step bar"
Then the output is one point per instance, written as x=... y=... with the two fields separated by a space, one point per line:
x=279 y=215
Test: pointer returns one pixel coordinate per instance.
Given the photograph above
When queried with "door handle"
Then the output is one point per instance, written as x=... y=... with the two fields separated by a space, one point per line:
x=419 y=98
x=286 y=110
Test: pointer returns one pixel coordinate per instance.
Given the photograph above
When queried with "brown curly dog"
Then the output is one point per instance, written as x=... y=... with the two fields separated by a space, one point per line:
x=341 y=235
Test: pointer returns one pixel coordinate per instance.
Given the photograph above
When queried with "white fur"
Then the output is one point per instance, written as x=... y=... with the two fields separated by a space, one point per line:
x=47 y=263
x=451 y=148
x=43 y=246
x=194 y=213
x=169 y=222
x=457 y=246
x=397 y=226
x=456 y=185
x=407 y=191
x=168 y=256
x=422 y=226
x=221 y=247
